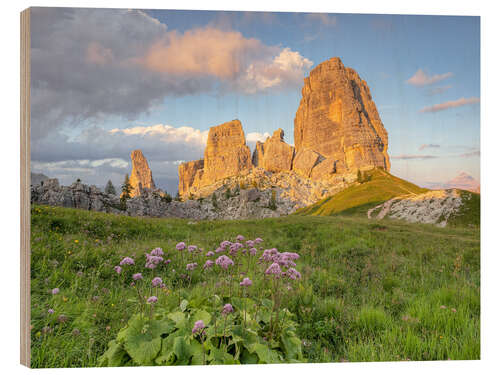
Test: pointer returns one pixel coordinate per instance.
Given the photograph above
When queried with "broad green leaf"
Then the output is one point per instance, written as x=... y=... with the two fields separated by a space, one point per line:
x=292 y=345
x=115 y=356
x=201 y=315
x=183 y=305
x=142 y=348
x=181 y=350
x=249 y=358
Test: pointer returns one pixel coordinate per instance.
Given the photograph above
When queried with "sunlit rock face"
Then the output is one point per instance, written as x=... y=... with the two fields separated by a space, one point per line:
x=338 y=119
x=226 y=153
x=141 y=177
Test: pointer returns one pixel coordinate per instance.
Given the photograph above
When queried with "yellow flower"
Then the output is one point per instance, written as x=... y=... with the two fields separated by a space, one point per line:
x=38 y=334
x=112 y=305
x=65 y=299
x=440 y=337
x=69 y=252
x=76 y=241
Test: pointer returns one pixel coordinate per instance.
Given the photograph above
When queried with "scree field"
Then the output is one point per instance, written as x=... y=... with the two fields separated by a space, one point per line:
x=368 y=291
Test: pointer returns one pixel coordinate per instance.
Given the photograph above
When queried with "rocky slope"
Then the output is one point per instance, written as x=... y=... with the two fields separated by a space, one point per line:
x=227 y=202
x=432 y=207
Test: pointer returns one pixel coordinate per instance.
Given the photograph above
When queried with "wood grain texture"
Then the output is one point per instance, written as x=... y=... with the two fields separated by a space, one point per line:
x=25 y=351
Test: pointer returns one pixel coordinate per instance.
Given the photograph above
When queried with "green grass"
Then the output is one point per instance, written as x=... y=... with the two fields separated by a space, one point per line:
x=369 y=291
x=381 y=187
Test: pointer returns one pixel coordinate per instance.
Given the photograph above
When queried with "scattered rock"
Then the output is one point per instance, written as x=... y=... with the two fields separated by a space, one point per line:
x=278 y=155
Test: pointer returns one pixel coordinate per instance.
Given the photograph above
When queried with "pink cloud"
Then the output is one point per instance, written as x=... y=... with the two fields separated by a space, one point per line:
x=420 y=78
x=97 y=54
x=451 y=104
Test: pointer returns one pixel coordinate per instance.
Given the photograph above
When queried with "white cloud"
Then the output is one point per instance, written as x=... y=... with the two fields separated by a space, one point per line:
x=420 y=78
x=286 y=69
x=450 y=104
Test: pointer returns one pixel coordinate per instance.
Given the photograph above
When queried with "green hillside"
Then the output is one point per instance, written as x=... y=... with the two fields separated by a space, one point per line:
x=379 y=187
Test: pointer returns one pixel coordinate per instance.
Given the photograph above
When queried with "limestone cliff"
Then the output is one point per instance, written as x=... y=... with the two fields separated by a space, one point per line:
x=190 y=174
x=226 y=153
x=141 y=177
x=338 y=119
x=278 y=155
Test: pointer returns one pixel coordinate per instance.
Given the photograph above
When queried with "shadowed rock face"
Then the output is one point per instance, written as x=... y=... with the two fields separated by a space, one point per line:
x=141 y=177
x=190 y=174
x=226 y=153
x=258 y=155
x=338 y=119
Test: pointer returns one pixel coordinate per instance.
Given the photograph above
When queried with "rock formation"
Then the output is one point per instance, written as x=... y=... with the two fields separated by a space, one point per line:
x=278 y=155
x=337 y=132
x=258 y=155
x=141 y=177
x=226 y=153
x=338 y=119
x=190 y=174
x=305 y=161
x=432 y=207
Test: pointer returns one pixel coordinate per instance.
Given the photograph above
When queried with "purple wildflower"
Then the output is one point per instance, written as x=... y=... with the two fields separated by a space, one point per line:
x=258 y=240
x=250 y=243
x=199 y=326
x=180 y=246
x=192 y=248
x=293 y=274
x=137 y=276
x=253 y=251
x=233 y=249
x=191 y=266
x=208 y=264
x=118 y=269
x=50 y=311
x=152 y=261
x=157 y=252
x=227 y=309
x=239 y=237
x=210 y=253
x=127 y=260
x=246 y=282
x=156 y=281
x=224 y=261
x=152 y=299
x=274 y=269
x=55 y=291
x=220 y=250
x=225 y=244
x=168 y=261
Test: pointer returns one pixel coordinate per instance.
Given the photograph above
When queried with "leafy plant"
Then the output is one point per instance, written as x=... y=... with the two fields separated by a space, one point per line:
x=168 y=337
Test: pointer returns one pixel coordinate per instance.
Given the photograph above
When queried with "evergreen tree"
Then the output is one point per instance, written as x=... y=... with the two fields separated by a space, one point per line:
x=110 y=189
x=126 y=190
x=360 y=177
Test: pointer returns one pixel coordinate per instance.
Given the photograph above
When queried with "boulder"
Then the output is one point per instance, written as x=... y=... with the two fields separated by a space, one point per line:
x=304 y=161
x=338 y=119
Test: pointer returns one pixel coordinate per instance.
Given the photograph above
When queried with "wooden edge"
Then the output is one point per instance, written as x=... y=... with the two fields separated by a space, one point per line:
x=25 y=321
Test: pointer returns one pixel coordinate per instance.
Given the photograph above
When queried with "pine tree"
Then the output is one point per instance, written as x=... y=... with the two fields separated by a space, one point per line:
x=110 y=189
x=126 y=190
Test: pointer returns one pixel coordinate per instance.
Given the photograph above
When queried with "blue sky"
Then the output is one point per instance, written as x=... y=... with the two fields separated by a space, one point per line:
x=432 y=119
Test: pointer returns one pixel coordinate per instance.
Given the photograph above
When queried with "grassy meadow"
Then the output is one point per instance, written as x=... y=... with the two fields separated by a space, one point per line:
x=369 y=291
